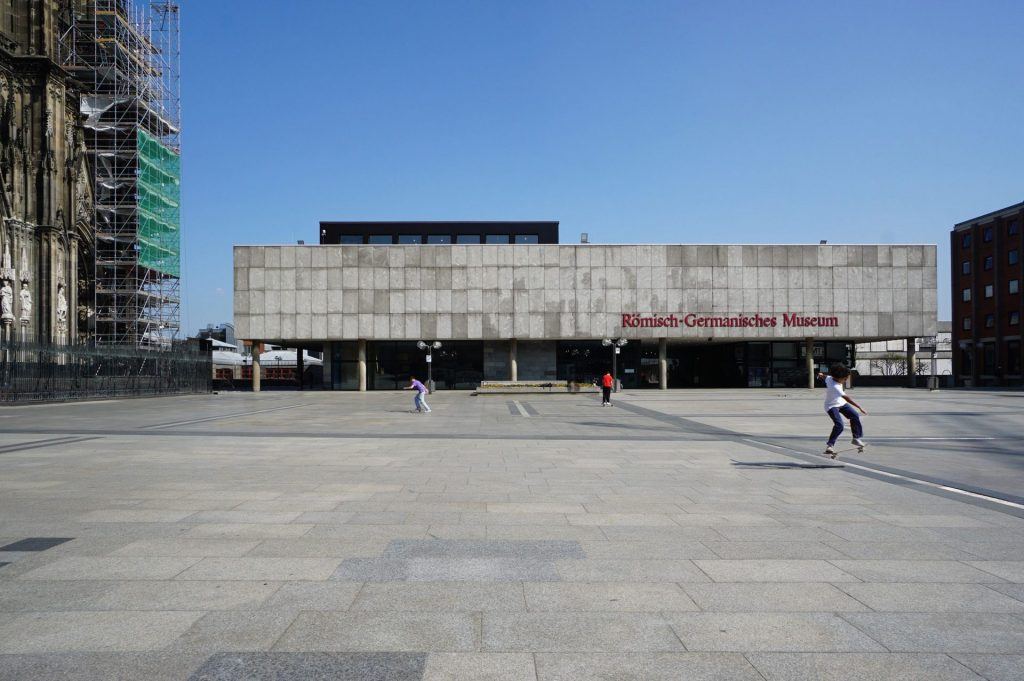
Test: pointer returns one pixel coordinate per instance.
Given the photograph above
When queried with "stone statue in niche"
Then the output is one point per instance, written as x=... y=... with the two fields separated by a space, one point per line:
x=6 y=303
x=25 y=294
x=62 y=312
x=26 y=303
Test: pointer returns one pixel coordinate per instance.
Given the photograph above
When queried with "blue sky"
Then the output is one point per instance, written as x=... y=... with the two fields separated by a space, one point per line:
x=734 y=122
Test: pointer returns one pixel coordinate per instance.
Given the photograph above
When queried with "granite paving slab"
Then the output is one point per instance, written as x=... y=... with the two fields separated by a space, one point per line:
x=771 y=597
x=943 y=632
x=776 y=632
x=44 y=632
x=374 y=631
x=645 y=667
x=280 y=666
x=932 y=597
x=859 y=667
x=480 y=667
x=995 y=667
x=577 y=632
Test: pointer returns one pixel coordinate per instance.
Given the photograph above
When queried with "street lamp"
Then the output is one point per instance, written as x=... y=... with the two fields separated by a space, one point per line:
x=429 y=347
x=617 y=344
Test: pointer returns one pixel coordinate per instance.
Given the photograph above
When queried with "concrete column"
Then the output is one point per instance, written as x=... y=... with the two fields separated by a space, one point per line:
x=328 y=370
x=362 y=365
x=912 y=362
x=663 y=363
x=809 y=351
x=256 y=348
x=513 y=361
x=300 y=367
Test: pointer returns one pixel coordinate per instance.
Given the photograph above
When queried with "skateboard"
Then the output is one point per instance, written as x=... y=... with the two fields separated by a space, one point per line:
x=860 y=450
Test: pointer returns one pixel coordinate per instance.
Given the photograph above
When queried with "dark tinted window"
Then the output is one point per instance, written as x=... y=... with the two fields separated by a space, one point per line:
x=965 y=240
x=986 y=234
x=1013 y=228
x=990 y=321
x=1014 y=318
x=1013 y=257
x=351 y=239
x=379 y=239
x=967 y=324
x=527 y=239
x=467 y=239
x=967 y=295
x=965 y=267
x=988 y=262
x=439 y=238
x=497 y=238
x=410 y=239
x=1015 y=286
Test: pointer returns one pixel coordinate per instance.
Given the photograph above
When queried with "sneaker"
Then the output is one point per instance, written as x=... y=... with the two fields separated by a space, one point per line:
x=831 y=451
x=857 y=442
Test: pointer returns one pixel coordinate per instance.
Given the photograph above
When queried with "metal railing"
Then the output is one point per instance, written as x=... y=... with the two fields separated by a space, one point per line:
x=35 y=372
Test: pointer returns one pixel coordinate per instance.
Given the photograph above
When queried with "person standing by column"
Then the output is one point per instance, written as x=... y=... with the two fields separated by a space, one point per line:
x=419 y=400
x=606 y=389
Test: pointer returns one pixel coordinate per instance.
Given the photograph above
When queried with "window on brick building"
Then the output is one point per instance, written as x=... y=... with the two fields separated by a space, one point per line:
x=988 y=263
x=967 y=295
x=1015 y=286
x=965 y=267
x=1013 y=257
x=989 y=291
x=1013 y=357
x=986 y=234
x=1013 y=228
x=990 y=321
x=965 y=240
x=967 y=324
x=1014 y=318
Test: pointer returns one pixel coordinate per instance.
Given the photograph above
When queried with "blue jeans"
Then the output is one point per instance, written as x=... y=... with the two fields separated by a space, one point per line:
x=421 y=404
x=837 y=414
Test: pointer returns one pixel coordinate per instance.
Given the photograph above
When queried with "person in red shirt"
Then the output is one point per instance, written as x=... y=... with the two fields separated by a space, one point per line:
x=606 y=390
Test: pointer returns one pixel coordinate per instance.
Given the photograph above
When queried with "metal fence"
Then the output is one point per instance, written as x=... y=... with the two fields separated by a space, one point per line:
x=33 y=372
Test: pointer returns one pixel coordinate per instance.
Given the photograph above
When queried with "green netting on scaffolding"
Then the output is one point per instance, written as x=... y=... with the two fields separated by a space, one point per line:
x=159 y=206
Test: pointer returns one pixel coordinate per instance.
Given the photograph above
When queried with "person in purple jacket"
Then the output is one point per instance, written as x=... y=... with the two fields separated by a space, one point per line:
x=421 y=392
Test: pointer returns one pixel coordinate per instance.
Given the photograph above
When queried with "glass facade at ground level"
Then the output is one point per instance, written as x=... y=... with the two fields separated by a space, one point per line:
x=460 y=365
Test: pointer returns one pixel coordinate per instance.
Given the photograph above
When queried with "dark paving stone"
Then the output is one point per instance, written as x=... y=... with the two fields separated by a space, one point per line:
x=312 y=666
x=36 y=544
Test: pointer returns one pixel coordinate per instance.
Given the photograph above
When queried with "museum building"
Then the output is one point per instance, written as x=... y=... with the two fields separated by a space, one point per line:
x=521 y=309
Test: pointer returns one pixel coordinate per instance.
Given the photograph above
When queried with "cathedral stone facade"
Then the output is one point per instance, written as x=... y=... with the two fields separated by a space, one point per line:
x=46 y=237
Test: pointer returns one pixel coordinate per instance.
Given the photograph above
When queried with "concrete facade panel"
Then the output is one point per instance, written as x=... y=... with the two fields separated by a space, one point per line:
x=318 y=293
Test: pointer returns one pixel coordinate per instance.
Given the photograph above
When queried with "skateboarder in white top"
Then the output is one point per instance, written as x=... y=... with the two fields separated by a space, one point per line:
x=837 y=405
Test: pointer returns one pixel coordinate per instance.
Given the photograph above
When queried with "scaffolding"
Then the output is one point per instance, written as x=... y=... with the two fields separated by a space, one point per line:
x=127 y=57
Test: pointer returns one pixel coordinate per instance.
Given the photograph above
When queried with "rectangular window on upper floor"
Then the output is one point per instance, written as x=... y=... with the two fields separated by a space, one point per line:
x=967 y=295
x=989 y=291
x=410 y=239
x=350 y=239
x=439 y=239
x=467 y=239
x=1013 y=257
x=986 y=234
x=1013 y=228
x=1015 y=286
x=1014 y=318
x=987 y=265
x=965 y=267
x=965 y=240
x=497 y=238
x=990 y=321
x=966 y=324
x=379 y=239
x=527 y=239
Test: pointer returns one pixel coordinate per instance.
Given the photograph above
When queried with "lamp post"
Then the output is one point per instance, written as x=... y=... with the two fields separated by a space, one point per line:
x=429 y=348
x=616 y=344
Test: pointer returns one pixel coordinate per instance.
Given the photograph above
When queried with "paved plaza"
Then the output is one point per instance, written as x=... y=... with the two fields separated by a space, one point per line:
x=678 y=535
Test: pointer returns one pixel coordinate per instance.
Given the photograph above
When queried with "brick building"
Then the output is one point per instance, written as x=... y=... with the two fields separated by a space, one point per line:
x=987 y=304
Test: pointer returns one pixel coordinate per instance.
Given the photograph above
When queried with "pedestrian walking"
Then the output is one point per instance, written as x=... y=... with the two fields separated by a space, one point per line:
x=606 y=389
x=419 y=401
x=837 y=406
